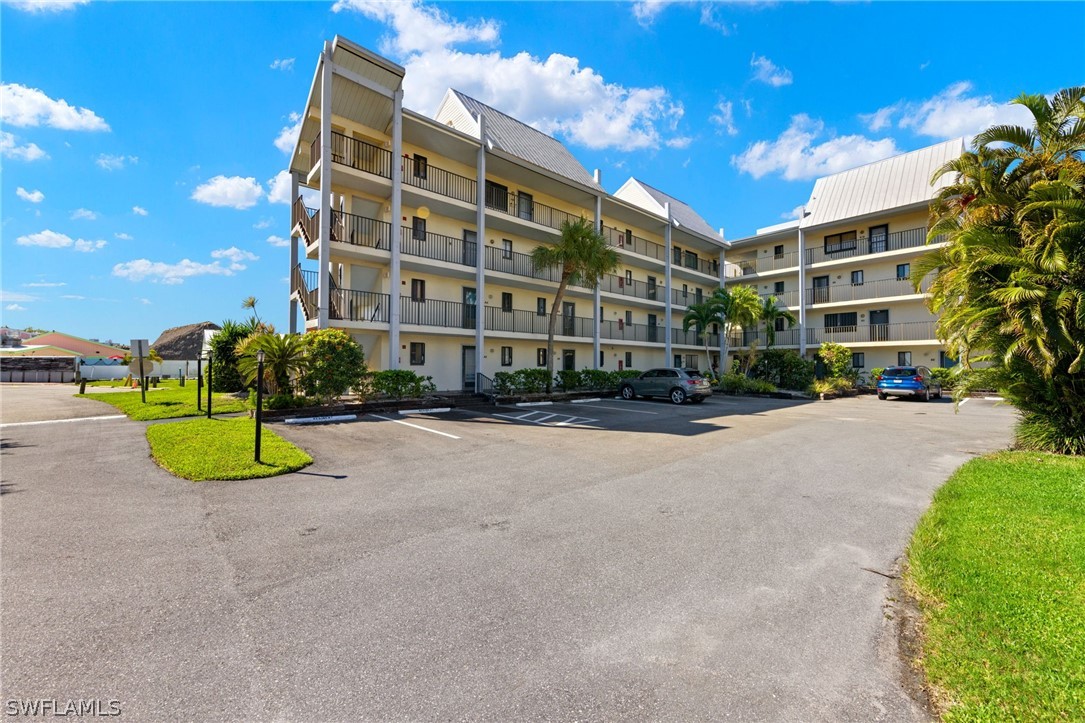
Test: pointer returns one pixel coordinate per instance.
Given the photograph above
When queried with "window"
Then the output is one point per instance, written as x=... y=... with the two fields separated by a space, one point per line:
x=841 y=322
x=525 y=206
x=506 y=248
x=904 y=271
x=778 y=287
x=628 y=278
x=698 y=296
x=540 y=356
x=858 y=360
x=506 y=301
x=904 y=358
x=856 y=278
x=677 y=255
x=540 y=306
x=685 y=291
x=840 y=242
x=418 y=353
x=418 y=226
x=568 y=359
x=629 y=360
x=421 y=166
x=506 y=356
x=692 y=261
x=945 y=360
x=779 y=324
x=628 y=317
x=418 y=289
x=778 y=251
x=678 y=360
x=497 y=196
x=602 y=361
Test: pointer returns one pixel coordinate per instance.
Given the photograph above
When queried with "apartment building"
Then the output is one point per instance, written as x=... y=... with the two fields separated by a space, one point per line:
x=844 y=269
x=420 y=243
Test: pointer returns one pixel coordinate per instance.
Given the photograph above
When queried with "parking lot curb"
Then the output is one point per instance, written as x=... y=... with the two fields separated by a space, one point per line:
x=533 y=404
x=434 y=410
x=321 y=420
x=584 y=401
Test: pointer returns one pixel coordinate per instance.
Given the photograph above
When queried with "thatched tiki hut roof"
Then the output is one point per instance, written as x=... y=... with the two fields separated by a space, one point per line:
x=183 y=343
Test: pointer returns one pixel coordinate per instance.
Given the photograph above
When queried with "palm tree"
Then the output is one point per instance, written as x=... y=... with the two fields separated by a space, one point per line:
x=250 y=302
x=769 y=313
x=703 y=315
x=584 y=257
x=284 y=359
x=1010 y=288
x=739 y=307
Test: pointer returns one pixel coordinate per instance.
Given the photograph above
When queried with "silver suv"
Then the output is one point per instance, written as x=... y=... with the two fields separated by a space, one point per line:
x=676 y=384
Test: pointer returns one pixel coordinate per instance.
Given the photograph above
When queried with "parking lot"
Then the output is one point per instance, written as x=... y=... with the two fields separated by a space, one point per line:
x=616 y=560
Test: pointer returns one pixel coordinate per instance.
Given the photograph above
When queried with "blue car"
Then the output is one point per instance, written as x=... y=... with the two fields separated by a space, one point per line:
x=909 y=382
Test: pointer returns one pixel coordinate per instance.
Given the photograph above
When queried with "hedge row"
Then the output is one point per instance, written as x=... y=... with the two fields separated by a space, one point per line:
x=533 y=380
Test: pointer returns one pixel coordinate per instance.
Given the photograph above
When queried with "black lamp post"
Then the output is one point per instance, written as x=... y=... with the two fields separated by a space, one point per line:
x=259 y=398
x=199 y=383
x=209 y=365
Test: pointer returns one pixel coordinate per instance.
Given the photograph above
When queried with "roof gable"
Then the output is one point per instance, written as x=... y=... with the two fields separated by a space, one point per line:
x=655 y=201
x=512 y=136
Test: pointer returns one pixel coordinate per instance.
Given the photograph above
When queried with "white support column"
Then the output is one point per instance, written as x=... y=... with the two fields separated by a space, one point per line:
x=668 y=324
x=480 y=248
x=802 y=286
x=293 y=254
x=323 y=280
x=723 y=337
x=397 y=229
x=597 y=296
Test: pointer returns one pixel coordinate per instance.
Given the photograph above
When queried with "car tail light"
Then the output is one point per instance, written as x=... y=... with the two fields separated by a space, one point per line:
x=877 y=377
x=691 y=382
x=918 y=378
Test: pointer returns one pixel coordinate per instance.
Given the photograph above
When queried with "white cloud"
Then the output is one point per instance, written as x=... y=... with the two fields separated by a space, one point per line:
x=14 y=307
x=278 y=188
x=949 y=114
x=646 y=11
x=115 y=163
x=84 y=214
x=266 y=222
x=161 y=272
x=89 y=246
x=288 y=136
x=767 y=71
x=793 y=213
x=122 y=236
x=796 y=156
x=29 y=107
x=230 y=192
x=139 y=210
x=554 y=94
x=282 y=64
x=73 y=297
x=278 y=241
x=235 y=256
x=710 y=18
x=724 y=117
x=31 y=196
x=8 y=296
x=144 y=301
x=45 y=284
x=46 y=6
x=9 y=148
x=53 y=240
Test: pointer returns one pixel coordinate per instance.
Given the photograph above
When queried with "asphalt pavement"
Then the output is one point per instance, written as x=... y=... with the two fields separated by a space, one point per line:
x=616 y=561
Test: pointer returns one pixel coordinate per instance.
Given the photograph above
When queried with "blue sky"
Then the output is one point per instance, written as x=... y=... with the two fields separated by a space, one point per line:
x=142 y=142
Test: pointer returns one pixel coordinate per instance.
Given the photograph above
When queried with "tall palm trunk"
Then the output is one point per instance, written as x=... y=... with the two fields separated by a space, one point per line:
x=554 y=316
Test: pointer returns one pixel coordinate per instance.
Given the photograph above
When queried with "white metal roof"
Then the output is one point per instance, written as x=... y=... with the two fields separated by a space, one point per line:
x=896 y=182
x=652 y=199
x=514 y=137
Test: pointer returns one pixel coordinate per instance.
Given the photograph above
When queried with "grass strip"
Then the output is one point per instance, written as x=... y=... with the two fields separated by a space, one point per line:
x=168 y=401
x=222 y=449
x=998 y=567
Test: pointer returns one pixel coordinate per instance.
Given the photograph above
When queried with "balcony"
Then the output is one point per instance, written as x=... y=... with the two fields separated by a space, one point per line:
x=853 y=334
x=692 y=262
x=880 y=289
x=357 y=154
x=524 y=207
x=748 y=267
x=635 y=244
x=421 y=174
x=910 y=238
x=438 y=247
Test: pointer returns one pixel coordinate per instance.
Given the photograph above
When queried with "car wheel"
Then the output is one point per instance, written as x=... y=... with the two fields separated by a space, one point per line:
x=883 y=397
x=678 y=396
x=926 y=395
x=939 y=394
x=628 y=393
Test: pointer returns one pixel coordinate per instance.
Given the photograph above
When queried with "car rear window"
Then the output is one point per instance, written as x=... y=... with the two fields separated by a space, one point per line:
x=899 y=372
x=694 y=374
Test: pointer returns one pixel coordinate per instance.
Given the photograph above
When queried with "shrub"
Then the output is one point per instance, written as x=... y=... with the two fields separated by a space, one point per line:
x=831 y=384
x=837 y=360
x=336 y=364
x=286 y=401
x=875 y=373
x=784 y=368
x=401 y=383
x=598 y=379
x=225 y=376
x=570 y=379
x=504 y=383
x=1039 y=433
x=946 y=376
x=741 y=384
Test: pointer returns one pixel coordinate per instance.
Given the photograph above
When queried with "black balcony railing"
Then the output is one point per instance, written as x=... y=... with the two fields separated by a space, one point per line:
x=432 y=178
x=850 y=334
x=519 y=264
x=525 y=207
x=355 y=153
x=638 y=289
x=881 y=288
x=438 y=247
x=627 y=241
x=361 y=231
x=909 y=238
x=765 y=264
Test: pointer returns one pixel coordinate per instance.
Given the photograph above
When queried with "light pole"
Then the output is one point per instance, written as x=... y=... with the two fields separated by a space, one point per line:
x=199 y=383
x=259 y=397
x=209 y=365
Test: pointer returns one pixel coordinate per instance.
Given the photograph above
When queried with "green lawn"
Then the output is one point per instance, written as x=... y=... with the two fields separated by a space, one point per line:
x=998 y=566
x=169 y=400
x=221 y=449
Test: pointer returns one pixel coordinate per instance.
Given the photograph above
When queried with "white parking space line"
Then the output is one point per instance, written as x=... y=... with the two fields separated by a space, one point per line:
x=62 y=421
x=543 y=418
x=620 y=409
x=567 y=420
x=963 y=401
x=415 y=426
